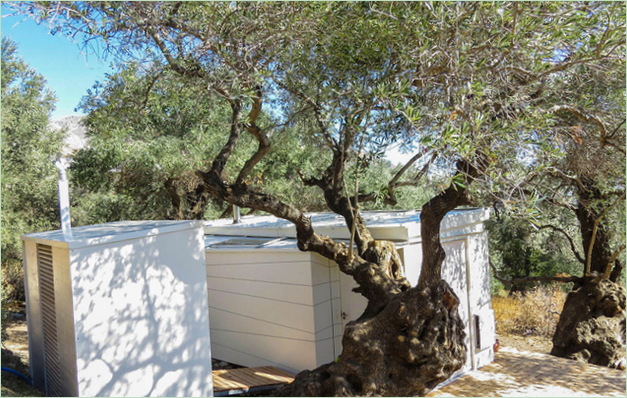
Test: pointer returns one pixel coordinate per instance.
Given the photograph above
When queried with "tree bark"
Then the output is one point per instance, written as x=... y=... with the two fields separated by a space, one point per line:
x=592 y=324
x=412 y=345
x=415 y=340
x=591 y=327
x=188 y=196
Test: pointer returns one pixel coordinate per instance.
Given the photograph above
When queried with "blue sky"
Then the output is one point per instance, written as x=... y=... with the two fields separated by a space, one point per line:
x=68 y=72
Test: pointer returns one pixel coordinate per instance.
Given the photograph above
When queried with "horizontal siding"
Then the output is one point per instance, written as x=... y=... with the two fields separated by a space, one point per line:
x=280 y=308
x=224 y=256
x=319 y=274
x=297 y=294
x=325 y=352
x=297 y=273
x=296 y=316
x=323 y=315
x=322 y=293
x=318 y=259
x=253 y=350
x=224 y=321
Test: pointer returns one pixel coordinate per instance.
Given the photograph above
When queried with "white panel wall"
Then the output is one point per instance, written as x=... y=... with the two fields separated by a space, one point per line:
x=454 y=272
x=141 y=317
x=272 y=307
x=327 y=309
x=479 y=292
x=478 y=255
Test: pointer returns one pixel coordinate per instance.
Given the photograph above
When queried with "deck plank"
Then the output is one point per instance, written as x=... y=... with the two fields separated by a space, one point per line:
x=249 y=378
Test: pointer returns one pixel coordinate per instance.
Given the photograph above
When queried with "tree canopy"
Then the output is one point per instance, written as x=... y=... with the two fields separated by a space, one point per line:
x=29 y=148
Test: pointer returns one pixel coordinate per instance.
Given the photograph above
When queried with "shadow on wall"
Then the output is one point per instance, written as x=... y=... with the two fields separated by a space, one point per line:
x=479 y=253
x=141 y=317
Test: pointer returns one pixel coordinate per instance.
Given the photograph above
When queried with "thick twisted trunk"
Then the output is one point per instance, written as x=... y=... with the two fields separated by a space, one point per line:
x=411 y=341
x=408 y=340
x=407 y=349
x=592 y=324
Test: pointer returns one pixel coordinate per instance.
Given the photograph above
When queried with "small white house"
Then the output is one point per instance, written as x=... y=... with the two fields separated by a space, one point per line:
x=119 y=309
x=271 y=304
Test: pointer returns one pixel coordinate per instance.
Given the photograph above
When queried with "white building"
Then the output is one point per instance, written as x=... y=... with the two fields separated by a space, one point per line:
x=271 y=304
x=119 y=309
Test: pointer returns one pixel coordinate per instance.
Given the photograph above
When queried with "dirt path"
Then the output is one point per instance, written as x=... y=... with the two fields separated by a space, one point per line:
x=18 y=340
x=539 y=344
x=527 y=374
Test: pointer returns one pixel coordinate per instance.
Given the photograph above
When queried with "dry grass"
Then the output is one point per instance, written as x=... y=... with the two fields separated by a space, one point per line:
x=534 y=313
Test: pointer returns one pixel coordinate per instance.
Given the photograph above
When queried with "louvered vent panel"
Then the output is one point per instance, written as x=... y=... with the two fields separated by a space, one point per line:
x=49 y=318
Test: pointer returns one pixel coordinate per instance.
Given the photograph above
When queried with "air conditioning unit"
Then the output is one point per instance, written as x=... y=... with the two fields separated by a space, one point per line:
x=119 y=309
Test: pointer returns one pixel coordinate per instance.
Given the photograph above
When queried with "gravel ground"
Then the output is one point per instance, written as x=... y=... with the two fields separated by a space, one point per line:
x=531 y=343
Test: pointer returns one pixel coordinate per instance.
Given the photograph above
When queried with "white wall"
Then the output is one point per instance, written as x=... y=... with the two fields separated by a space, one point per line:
x=272 y=308
x=480 y=297
x=141 y=317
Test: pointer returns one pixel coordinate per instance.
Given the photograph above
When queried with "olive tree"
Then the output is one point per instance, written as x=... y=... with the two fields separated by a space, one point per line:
x=29 y=178
x=461 y=84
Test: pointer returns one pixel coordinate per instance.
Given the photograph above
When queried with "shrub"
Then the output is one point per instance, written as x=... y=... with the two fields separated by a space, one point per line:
x=534 y=313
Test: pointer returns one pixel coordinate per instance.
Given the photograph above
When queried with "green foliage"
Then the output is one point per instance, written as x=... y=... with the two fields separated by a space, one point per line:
x=29 y=178
x=149 y=131
x=519 y=250
x=530 y=93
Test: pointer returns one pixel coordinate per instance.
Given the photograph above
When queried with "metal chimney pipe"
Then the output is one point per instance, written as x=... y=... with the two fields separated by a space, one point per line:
x=64 y=198
x=236 y=215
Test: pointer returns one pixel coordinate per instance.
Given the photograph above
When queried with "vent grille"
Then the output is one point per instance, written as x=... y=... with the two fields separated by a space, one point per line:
x=49 y=318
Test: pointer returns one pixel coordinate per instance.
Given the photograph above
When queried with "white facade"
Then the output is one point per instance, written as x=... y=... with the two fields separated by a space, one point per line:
x=271 y=304
x=119 y=309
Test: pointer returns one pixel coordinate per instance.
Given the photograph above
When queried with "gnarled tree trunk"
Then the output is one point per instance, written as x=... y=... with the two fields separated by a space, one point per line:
x=592 y=324
x=412 y=345
x=413 y=342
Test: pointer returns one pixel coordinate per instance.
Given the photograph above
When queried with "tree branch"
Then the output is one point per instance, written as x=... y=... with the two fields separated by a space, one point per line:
x=375 y=284
x=594 y=232
x=435 y=210
x=390 y=198
x=570 y=240
x=581 y=116
x=330 y=141
x=608 y=268
x=264 y=141
x=219 y=162
x=173 y=62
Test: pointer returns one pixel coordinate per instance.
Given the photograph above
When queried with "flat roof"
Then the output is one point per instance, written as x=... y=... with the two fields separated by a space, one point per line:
x=401 y=225
x=110 y=232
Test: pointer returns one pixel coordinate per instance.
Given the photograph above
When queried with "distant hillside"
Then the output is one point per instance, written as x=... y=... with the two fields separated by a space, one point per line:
x=76 y=137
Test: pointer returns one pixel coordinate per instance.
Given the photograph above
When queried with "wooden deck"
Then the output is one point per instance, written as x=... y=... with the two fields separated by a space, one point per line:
x=236 y=381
